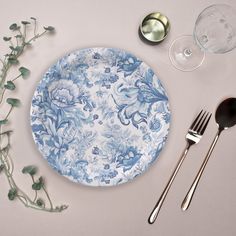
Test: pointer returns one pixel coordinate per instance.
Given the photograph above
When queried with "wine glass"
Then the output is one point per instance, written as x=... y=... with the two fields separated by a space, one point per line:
x=214 y=31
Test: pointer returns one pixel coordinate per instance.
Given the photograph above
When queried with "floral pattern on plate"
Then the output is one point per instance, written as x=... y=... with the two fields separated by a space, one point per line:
x=100 y=116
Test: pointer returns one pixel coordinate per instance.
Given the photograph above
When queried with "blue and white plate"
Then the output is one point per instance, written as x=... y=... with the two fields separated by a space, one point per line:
x=100 y=116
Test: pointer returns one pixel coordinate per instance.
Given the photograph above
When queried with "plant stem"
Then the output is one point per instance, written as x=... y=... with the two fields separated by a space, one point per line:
x=24 y=31
x=4 y=74
x=6 y=132
x=3 y=63
x=36 y=36
x=20 y=33
x=11 y=43
x=35 y=27
x=36 y=192
x=16 y=78
x=2 y=95
x=9 y=112
x=50 y=202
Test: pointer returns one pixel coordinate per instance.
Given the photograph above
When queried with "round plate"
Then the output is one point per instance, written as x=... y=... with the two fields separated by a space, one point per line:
x=100 y=116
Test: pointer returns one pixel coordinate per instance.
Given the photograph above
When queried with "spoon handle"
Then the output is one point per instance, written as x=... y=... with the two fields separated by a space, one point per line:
x=188 y=198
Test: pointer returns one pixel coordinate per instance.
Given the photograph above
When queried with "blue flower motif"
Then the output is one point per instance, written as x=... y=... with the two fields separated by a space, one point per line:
x=66 y=130
x=143 y=129
x=113 y=78
x=57 y=137
x=105 y=80
x=79 y=171
x=107 y=166
x=95 y=151
x=96 y=56
x=106 y=110
x=95 y=116
x=100 y=93
x=84 y=98
x=128 y=158
x=167 y=117
x=147 y=138
x=63 y=93
x=155 y=125
x=106 y=174
x=107 y=70
x=135 y=103
x=127 y=63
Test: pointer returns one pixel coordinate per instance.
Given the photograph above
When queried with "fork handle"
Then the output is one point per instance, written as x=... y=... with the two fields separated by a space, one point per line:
x=188 y=198
x=159 y=203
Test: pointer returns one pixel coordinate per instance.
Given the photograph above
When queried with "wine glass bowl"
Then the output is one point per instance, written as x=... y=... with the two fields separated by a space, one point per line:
x=214 y=32
x=215 y=29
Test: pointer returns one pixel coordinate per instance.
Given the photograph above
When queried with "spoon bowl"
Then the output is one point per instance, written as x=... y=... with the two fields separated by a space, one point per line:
x=225 y=115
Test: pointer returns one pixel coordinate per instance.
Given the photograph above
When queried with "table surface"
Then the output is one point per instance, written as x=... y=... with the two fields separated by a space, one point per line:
x=124 y=210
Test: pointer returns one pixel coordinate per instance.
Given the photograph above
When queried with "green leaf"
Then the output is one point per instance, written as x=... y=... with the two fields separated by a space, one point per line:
x=33 y=18
x=10 y=85
x=12 y=194
x=12 y=60
x=40 y=202
x=49 y=28
x=13 y=102
x=16 y=49
x=32 y=170
x=18 y=36
x=24 y=72
x=14 y=27
x=38 y=185
x=6 y=38
x=25 y=22
x=3 y=122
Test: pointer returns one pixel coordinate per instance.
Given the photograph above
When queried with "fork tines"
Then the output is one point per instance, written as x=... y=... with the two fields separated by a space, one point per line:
x=200 y=123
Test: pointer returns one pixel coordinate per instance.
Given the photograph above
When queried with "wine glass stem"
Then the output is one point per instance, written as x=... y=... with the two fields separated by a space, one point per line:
x=188 y=52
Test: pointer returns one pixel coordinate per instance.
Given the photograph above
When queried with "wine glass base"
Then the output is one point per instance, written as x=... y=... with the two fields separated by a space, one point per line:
x=185 y=54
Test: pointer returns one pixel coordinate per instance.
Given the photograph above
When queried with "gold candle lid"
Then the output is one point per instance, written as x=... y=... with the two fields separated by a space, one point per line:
x=154 y=27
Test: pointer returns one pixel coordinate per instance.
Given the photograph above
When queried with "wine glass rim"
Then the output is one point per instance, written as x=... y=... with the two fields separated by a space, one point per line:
x=217 y=4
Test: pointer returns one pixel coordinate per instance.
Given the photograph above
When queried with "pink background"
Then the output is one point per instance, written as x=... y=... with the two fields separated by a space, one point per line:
x=124 y=210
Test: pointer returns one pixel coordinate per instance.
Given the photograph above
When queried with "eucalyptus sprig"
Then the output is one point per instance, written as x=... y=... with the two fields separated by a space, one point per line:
x=20 y=39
